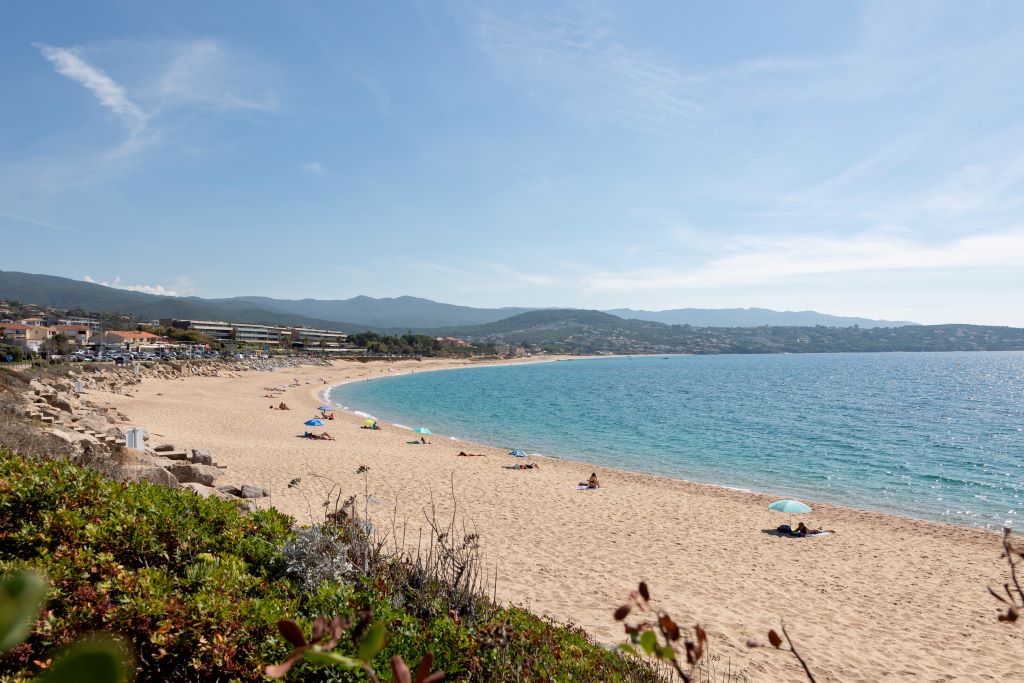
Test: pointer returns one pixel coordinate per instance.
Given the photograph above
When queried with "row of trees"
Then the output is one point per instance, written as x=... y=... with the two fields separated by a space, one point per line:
x=407 y=345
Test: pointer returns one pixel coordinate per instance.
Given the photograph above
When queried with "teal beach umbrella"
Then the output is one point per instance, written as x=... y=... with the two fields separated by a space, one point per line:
x=422 y=430
x=790 y=506
x=793 y=507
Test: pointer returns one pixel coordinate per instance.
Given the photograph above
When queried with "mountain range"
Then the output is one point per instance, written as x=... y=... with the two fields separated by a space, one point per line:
x=362 y=312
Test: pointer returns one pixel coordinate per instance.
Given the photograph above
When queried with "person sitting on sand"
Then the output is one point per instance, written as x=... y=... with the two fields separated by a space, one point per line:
x=283 y=406
x=591 y=483
x=327 y=437
x=423 y=440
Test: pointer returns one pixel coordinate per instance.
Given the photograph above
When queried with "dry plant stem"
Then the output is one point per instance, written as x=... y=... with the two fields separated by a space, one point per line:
x=1013 y=564
x=792 y=648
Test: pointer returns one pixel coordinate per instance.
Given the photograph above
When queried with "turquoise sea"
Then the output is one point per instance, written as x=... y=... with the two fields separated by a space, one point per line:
x=931 y=435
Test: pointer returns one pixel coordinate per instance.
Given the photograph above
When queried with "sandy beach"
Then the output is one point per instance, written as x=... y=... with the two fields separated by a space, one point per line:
x=884 y=598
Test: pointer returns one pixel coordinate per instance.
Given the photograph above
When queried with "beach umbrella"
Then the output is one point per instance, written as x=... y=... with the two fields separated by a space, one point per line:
x=314 y=423
x=369 y=421
x=325 y=408
x=793 y=507
x=519 y=453
x=422 y=430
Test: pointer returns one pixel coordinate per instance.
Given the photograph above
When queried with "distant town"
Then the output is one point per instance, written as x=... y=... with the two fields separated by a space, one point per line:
x=28 y=330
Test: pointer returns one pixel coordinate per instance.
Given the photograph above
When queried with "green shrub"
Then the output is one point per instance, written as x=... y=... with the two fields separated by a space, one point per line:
x=196 y=588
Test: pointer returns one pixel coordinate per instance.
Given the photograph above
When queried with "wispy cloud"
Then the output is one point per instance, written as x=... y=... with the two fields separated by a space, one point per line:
x=758 y=261
x=597 y=75
x=33 y=221
x=147 y=289
x=69 y=63
x=111 y=95
x=203 y=73
x=313 y=167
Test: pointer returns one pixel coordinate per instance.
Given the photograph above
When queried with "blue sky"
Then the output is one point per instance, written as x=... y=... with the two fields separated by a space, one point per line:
x=852 y=158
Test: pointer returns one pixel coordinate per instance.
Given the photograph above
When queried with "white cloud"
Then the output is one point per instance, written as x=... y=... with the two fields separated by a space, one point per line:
x=596 y=76
x=70 y=64
x=204 y=73
x=314 y=167
x=756 y=261
x=33 y=221
x=148 y=289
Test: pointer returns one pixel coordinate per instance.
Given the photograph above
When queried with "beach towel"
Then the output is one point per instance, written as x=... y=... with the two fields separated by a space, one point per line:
x=584 y=487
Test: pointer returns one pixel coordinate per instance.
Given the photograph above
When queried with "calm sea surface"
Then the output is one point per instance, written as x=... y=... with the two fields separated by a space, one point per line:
x=931 y=435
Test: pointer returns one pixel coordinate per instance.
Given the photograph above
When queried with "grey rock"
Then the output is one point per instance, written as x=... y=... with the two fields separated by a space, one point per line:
x=161 y=448
x=254 y=491
x=188 y=473
x=230 y=489
x=150 y=473
x=206 y=491
x=64 y=403
x=202 y=456
x=97 y=423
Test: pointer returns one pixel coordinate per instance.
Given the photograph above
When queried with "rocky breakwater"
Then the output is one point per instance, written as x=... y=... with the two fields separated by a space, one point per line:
x=59 y=405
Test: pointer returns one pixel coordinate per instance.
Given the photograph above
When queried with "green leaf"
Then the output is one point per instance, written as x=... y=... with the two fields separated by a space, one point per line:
x=21 y=597
x=332 y=659
x=626 y=647
x=648 y=641
x=666 y=653
x=96 y=661
x=372 y=643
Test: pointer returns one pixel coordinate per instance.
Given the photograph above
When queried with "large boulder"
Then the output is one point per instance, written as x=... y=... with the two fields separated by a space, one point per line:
x=202 y=456
x=254 y=491
x=163 y=447
x=150 y=473
x=64 y=436
x=188 y=473
x=95 y=422
x=64 y=402
x=206 y=491
x=230 y=489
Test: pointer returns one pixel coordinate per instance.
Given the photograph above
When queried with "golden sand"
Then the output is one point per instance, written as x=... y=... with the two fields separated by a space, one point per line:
x=884 y=598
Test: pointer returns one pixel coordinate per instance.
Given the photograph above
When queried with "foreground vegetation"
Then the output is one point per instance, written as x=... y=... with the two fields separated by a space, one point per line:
x=196 y=589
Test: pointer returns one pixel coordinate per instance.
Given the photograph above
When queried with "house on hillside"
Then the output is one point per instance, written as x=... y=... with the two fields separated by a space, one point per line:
x=29 y=337
x=79 y=335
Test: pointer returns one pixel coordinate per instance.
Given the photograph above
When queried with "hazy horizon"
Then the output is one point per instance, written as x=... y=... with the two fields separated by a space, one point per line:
x=858 y=159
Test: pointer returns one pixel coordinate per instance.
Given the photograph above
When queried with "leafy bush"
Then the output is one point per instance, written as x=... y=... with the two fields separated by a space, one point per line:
x=196 y=587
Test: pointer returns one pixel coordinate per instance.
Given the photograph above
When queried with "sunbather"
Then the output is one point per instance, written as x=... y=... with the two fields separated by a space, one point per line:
x=327 y=437
x=802 y=530
x=591 y=483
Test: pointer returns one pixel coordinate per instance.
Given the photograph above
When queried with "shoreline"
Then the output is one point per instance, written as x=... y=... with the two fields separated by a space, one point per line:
x=575 y=555
x=324 y=396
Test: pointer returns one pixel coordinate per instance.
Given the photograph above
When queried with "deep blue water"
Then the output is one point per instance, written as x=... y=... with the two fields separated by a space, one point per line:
x=931 y=435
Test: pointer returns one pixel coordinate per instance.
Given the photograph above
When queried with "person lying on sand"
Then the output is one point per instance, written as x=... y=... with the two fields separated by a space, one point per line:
x=464 y=454
x=523 y=466
x=802 y=530
x=591 y=483
x=327 y=437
